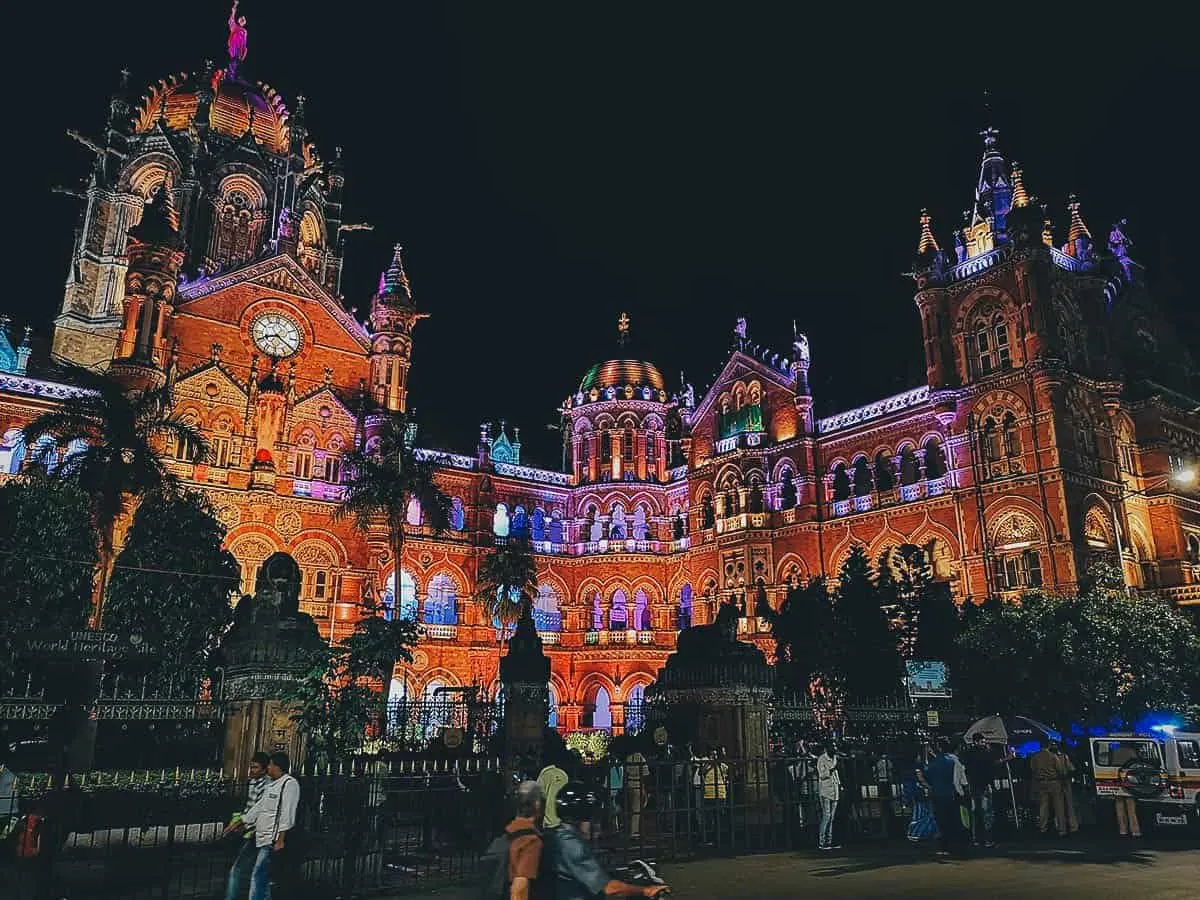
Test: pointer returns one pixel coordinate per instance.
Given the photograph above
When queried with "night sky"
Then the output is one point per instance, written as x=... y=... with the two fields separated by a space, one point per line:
x=547 y=167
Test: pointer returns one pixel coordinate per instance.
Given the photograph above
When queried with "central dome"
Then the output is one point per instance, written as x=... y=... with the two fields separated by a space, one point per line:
x=176 y=100
x=620 y=372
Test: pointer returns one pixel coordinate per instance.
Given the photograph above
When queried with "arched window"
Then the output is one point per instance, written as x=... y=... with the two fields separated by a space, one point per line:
x=605 y=447
x=618 y=613
x=635 y=709
x=651 y=455
x=407 y=607
x=883 y=471
x=627 y=445
x=616 y=526
x=787 y=493
x=1012 y=435
x=990 y=440
x=708 y=515
x=1193 y=543
x=546 y=614
x=678 y=527
x=552 y=707
x=538 y=526
x=500 y=521
x=733 y=503
x=413 y=515
x=458 y=515
x=441 y=603
x=595 y=528
x=520 y=522
x=600 y=711
x=12 y=452
x=238 y=219
x=556 y=528
x=754 y=502
x=585 y=453
x=841 y=482
x=641 y=611
x=935 y=461
x=991 y=346
x=641 y=528
x=910 y=469
x=597 y=613
x=684 y=618
x=862 y=477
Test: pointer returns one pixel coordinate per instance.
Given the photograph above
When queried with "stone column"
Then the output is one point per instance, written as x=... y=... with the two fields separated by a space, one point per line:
x=716 y=690
x=266 y=653
x=525 y=674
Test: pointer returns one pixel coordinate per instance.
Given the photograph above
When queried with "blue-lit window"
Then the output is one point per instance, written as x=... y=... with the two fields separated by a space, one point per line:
x=500 y=521
x=441 y=602
x=538 y=526
x=546 y=614
x=685 y=607
x=618 y=613
x=407 y=608
x=520 y=523
x=458 y=516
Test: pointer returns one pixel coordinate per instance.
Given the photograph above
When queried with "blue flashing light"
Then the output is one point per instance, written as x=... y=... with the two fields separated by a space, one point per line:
x=1159 y=723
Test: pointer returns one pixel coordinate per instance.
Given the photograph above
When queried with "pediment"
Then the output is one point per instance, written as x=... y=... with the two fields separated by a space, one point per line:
x=277 y=274
x=738 y=366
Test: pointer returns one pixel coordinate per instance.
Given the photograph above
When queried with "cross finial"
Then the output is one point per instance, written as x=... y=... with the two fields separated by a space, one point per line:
x=989 y=136
x=623 y=323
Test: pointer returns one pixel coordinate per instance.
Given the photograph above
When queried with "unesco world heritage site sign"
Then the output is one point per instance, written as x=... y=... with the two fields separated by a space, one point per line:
x=80 y=645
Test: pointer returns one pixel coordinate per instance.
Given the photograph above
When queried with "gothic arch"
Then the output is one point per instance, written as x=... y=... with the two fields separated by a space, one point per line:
x=147 y=172
x=784 y=463
x=325 y=539
x=1001 y=398
x=630 y=681
x=553 y=580
x=453 y=572
x=784 y=566
x=1139 y=537
x=728 y=476
x=445 y=676
x=1015 y=526
x=653 y=591
x=590 y=683
x=1098 y=525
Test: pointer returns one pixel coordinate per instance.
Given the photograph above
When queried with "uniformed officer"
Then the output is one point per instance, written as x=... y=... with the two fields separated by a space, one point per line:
x=578 y=874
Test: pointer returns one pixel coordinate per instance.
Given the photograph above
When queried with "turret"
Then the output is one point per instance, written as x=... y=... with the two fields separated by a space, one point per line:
x=155 y=254
x=803 y=398
x=393 y=315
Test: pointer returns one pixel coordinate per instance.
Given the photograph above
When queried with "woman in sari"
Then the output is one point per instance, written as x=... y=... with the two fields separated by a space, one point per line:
x=922 y=827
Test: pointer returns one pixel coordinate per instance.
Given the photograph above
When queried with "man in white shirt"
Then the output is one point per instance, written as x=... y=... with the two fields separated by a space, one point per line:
x=829 y=790
x=272 y=817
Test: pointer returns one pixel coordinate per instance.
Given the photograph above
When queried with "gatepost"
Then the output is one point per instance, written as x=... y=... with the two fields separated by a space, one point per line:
x=266 y=653
x=525 y=675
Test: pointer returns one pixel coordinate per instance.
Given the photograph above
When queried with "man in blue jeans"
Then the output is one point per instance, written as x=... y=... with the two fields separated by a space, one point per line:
x=247 y=852
x=829 y=791
x=272 y=817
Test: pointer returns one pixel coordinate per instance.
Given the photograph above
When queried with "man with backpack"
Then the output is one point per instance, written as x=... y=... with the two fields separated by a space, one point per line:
x=578 y=875
x=525 y=844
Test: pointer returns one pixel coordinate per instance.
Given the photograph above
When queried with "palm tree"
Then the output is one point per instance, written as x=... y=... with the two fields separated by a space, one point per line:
x=115 y=439
x=506 y=583
x=385 y=478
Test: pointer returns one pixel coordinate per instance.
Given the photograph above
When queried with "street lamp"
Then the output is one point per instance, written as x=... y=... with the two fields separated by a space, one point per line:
x=1184 y=477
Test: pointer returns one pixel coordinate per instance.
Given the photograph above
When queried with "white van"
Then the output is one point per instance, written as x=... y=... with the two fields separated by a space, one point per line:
x=1160 y=770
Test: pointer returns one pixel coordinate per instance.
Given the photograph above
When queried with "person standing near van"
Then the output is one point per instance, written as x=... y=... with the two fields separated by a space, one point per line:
x=1127 y=816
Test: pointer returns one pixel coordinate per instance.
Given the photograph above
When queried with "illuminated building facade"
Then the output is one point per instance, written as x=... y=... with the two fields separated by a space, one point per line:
x=209 y=260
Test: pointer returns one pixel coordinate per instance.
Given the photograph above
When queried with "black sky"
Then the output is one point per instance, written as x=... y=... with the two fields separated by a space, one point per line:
x=549 y=166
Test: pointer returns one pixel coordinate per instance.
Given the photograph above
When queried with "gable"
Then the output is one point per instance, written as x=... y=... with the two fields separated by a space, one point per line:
x=276 y=275
x=744 y=369
x=210 y=386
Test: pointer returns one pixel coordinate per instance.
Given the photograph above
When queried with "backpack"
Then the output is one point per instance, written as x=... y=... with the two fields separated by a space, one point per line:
x=494 y=862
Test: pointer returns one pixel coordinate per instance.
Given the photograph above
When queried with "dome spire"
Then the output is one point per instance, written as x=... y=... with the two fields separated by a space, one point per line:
x=623 y=330
x=1079 y=239
x=927 y=242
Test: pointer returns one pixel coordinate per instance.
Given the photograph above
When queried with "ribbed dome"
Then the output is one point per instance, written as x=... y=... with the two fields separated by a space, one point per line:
x=620 y=372
x=230 y=111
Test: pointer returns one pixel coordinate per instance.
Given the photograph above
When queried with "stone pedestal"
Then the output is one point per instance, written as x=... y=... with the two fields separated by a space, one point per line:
x=266 y=653
x=525 y=674
x=715 y=691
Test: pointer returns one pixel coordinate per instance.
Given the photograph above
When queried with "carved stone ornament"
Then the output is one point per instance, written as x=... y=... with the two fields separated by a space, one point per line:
x=1015 y=528
x=420 y=660
x=288 y=524
x=229 y=516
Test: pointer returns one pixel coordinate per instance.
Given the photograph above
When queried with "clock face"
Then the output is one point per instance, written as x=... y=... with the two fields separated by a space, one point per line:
x=275 y=335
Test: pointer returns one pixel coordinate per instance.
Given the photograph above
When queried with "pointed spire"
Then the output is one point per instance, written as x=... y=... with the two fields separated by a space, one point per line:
x=394 y=281
x=1047 y=227
x=1020 y=198
x=1077 y=228
x=926 y=244
x=991 y=192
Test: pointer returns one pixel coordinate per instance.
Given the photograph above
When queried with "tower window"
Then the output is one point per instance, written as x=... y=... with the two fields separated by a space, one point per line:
x=304 y=464
x=605 y=447
x=991 y=346
x=1020 y=570
x=627 y=445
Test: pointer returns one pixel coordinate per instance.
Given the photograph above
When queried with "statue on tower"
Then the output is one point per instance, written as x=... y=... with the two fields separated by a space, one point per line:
x=237 y=40
x=1118 y=245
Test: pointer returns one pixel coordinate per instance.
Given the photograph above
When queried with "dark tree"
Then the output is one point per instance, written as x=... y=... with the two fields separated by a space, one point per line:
x=173 y=581
x=47 y=558
x=868 y=651
x=938 y=625
x=803 y=631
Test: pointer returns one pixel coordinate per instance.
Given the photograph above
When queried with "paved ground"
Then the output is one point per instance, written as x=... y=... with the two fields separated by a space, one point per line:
x=1095 y=869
